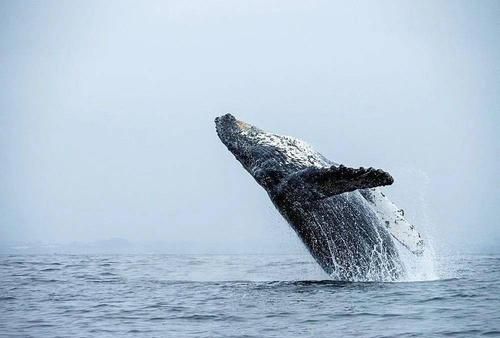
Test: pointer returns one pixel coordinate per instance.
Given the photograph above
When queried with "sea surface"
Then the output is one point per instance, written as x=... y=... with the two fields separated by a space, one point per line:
x=239 y=296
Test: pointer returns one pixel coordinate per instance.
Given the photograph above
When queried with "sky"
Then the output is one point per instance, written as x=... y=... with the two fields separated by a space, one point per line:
x=107 y=109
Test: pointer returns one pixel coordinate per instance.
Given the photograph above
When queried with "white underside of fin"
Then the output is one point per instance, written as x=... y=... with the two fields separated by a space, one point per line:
x=393 y=219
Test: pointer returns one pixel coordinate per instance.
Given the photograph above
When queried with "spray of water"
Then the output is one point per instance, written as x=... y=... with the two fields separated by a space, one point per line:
x=411 y=268
x=419 y=268
x=424 y=267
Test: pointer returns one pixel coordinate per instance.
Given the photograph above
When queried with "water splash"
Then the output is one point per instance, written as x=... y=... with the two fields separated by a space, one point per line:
x=424 y=267
x=412 y=267
x=419 y=268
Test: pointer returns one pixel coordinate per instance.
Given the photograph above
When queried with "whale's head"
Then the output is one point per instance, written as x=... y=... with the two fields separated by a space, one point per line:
x=268 y=157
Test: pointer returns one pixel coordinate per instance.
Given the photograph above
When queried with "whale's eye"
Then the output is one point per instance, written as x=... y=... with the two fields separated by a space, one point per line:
x=268 y=177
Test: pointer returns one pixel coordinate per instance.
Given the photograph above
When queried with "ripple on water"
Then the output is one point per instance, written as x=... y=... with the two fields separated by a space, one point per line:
x=159 y=295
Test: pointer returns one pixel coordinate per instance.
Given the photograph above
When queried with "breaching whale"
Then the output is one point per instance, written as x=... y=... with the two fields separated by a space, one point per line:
x=346 y=222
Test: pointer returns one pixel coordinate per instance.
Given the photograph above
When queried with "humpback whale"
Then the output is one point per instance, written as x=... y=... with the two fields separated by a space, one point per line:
x=341 y=215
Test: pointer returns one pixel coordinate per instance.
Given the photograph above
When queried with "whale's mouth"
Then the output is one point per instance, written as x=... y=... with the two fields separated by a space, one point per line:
x=242 y=139
x=233 y=133
x=252 y=146
x=226 y=126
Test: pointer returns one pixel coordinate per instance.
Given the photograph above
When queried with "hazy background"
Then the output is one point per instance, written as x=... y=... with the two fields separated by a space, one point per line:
x=107 y=108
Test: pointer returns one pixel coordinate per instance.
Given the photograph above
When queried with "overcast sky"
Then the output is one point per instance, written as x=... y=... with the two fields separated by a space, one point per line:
x=107 y=108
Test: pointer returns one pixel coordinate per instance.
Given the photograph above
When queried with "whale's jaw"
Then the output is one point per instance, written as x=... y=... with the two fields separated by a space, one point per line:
x=266 y=156
x=259 y=150
x=232 y=133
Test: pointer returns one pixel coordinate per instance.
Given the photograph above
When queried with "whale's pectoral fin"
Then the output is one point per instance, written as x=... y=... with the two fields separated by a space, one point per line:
x=337 y=180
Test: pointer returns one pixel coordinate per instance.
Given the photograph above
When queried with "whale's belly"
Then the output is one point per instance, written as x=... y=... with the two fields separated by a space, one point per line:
x=346 y=237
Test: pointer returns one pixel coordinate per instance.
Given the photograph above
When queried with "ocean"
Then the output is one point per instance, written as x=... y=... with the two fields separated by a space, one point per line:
x=240 y=296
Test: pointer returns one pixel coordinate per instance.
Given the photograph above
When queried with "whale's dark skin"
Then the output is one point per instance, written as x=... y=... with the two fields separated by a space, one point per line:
x=320 y=200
